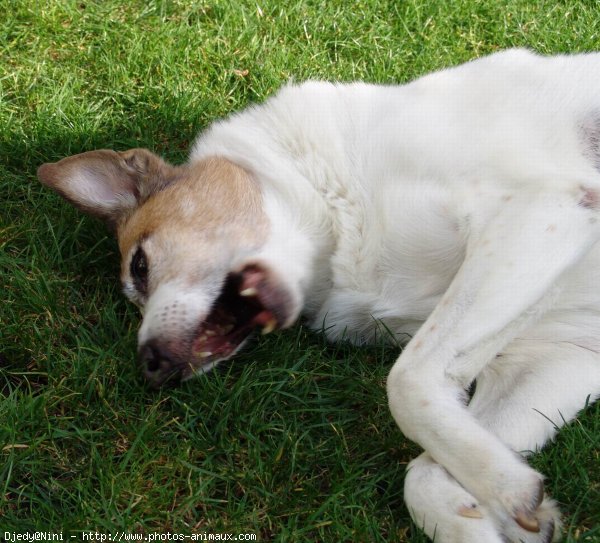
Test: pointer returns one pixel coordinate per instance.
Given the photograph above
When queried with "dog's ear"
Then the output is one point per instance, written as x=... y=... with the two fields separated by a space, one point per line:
x=106 y=183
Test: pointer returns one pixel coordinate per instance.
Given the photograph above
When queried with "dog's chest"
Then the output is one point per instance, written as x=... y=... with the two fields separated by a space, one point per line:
x=390 y=274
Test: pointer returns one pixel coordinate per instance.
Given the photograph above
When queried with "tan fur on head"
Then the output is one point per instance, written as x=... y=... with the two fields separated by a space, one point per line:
x=186 y=217
x=213 y=206
x=213 y=196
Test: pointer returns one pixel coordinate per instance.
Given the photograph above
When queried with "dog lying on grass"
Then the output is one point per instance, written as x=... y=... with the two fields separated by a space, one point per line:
x=462 y=209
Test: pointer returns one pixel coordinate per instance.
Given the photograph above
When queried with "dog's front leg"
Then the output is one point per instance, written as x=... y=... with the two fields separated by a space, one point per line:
x=508 y=279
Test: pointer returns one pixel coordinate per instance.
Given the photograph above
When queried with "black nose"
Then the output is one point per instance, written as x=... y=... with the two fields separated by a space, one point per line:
x=158 y=364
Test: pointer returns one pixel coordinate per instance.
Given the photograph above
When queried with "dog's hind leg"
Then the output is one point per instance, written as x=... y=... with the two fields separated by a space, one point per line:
x=533 y=388
x=509 y=279
x=523 y=397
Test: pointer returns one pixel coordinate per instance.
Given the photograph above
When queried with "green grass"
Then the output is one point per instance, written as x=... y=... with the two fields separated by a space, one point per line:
x=293 y=440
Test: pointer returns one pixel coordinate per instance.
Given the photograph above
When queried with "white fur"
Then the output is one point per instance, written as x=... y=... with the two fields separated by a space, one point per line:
x=172 y=307
x=468 y=200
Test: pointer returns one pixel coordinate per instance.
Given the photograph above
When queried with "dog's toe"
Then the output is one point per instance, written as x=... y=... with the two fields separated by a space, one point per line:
x=541 y=527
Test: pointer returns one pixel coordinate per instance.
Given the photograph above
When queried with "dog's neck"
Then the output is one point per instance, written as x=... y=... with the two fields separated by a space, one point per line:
x=304 y=235
x=307 y=193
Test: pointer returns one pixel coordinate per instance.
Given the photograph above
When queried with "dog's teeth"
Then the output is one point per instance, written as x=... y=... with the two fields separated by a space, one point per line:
x=210 y=333
x=203 y=337
x=269 y=327
x=250 y=291
x=204 y=354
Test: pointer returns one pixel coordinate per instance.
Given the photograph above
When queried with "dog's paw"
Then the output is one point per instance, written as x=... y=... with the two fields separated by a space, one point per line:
x=448 y=513
x=547 y=520
x=521 y=512
x=514 y=494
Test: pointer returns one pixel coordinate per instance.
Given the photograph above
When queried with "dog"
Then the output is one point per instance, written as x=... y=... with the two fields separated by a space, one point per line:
x=460 y=211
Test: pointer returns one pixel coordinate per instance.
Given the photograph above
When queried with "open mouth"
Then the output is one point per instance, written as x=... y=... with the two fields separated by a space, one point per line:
x=240 y=309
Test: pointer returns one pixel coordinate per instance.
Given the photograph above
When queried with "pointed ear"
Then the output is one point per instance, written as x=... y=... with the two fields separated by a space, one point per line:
x=105 y=183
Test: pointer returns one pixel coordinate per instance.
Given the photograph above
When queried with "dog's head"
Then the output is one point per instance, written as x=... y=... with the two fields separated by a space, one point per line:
x=191 y=240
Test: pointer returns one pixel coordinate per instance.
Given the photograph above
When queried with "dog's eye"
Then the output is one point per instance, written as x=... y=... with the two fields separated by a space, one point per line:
x=139 y=270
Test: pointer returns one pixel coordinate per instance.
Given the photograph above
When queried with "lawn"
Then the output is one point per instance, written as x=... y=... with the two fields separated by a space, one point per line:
x=292 y=441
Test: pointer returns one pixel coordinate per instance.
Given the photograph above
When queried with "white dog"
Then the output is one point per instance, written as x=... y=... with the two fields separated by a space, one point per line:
x=462 y=209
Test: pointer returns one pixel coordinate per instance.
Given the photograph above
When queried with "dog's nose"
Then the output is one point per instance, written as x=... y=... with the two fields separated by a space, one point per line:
x=158 y=364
